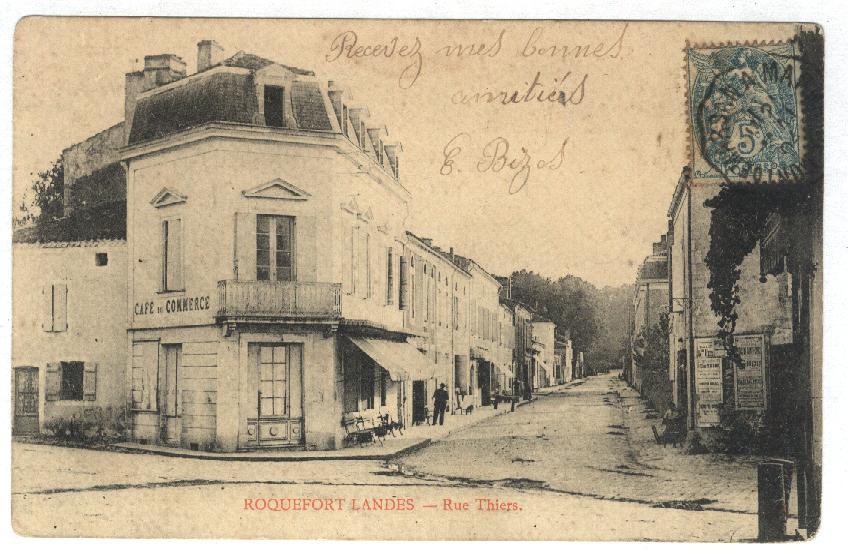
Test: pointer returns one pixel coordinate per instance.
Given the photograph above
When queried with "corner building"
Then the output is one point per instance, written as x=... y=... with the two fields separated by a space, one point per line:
x=265 y=229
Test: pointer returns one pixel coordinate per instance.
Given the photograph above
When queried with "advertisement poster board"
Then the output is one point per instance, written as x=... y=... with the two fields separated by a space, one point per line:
x=708 y=384
x=749 y=379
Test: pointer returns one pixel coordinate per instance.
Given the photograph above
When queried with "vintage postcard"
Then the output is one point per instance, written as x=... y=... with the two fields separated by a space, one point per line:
x=417 y=279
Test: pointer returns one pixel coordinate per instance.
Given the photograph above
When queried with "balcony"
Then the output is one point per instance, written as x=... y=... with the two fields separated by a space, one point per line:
x=278 y=301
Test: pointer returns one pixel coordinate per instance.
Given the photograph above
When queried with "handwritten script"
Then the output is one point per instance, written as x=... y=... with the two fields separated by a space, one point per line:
x=498 y=156
x=348 y=46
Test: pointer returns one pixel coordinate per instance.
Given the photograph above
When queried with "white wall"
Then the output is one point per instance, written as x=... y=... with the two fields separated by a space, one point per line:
x=96 y=318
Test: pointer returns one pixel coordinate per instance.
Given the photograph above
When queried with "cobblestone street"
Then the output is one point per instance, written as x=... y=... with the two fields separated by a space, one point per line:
x=592 y=475
x=591 y=438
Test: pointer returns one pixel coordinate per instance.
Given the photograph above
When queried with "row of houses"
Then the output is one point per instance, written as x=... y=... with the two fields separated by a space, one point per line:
x=755 y=387
x=234 y=270
x=672 y=289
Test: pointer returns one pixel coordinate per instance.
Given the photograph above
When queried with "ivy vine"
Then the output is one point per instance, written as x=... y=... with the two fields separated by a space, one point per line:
x=740 y=211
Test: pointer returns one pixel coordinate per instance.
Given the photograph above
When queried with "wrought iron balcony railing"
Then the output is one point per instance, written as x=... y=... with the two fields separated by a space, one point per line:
x=269 y=301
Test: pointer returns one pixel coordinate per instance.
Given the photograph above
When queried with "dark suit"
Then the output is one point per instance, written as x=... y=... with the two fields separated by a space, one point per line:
x=440 y=403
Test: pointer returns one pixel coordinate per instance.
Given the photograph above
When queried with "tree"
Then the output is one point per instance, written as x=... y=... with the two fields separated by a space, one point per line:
x=653 y=364
x=44 y=202
x=570 y=302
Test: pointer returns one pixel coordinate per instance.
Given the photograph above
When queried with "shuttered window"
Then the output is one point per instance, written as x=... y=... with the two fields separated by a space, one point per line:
x=347 y=264
x=55 y=314
x=390 y=276
x=172 y=255
x=72 y=381
x=403 y=295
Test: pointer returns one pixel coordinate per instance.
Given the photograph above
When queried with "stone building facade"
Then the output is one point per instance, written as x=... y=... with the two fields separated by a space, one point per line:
x=705 y=383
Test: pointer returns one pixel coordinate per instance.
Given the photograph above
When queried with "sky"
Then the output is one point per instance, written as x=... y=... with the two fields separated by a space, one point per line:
x=574 y=183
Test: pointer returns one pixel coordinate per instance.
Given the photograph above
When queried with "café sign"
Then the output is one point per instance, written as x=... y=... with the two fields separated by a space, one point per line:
x=171 y=305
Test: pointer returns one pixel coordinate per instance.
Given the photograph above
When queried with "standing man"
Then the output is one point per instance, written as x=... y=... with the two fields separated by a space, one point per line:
x=516 y=390
x=440 y=402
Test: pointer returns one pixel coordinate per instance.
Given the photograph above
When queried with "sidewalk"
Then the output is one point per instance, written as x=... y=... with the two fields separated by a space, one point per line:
x=413 y=438
x=711 y=480
x=558 y=388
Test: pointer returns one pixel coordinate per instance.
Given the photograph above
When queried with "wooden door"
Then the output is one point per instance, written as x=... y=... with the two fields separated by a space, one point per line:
x=26 y=401
x=170 y=404
x=419 y=401
x=275 y=385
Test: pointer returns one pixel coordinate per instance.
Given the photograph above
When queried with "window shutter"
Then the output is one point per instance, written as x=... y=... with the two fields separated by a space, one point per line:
x=89 y=381
x=347 y=264
x=47 y=308
x=390 y=276
x=54 y=381
x=403 y=275
x=245 y=242
x=60 y=307
x=370 y=256
x=175 y=259
x=305 y=249
x=354 y=260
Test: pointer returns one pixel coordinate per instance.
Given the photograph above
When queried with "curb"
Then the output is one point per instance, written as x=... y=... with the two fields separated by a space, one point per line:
x=272 y=459
x=282 y=458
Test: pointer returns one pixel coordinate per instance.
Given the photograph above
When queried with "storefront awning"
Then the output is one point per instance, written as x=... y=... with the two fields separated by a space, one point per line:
x=402 y=360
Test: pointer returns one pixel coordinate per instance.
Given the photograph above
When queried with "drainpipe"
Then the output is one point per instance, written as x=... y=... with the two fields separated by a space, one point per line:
x=690 y=302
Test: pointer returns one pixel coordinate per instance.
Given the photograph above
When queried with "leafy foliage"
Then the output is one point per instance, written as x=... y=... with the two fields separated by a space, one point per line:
x=595 y=319
x=653 y=364
x=655 y=357
x=569 y=302
x=44 y=202
x=740 y=211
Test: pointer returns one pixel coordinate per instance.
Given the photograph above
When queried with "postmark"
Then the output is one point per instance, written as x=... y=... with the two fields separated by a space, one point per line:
x=744 y=111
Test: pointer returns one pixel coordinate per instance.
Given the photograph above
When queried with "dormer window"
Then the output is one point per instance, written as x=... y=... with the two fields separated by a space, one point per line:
x=273 y=106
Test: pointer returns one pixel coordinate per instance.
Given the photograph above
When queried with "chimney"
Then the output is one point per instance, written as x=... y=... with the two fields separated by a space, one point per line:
x=209 y=53
x=161 y=69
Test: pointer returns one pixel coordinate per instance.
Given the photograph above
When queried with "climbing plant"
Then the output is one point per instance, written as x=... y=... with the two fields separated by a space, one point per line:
x=740 y=211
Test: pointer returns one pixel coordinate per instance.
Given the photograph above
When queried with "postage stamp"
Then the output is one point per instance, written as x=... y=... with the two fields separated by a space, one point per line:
x=743 y=105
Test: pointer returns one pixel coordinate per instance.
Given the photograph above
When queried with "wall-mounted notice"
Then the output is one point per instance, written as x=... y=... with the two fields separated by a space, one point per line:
x=708 y=387
x=749 y=379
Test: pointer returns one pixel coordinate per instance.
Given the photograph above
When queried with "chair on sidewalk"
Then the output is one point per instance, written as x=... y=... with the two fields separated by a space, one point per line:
x=390 y=425
x=462 y=408
x=673 y=434
x=355 y=432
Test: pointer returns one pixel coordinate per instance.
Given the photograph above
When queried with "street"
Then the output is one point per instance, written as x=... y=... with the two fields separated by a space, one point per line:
x=566 y=476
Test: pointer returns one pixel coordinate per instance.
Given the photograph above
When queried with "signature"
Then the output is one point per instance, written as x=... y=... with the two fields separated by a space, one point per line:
x=498 y=156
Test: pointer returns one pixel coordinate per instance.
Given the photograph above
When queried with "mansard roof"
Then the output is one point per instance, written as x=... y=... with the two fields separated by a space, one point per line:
x=221 y=96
